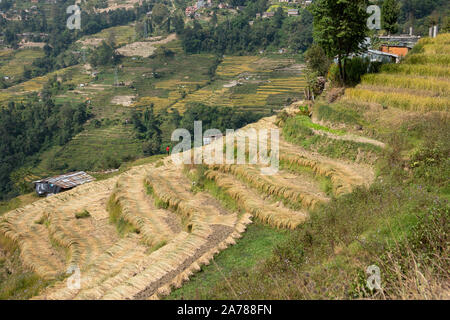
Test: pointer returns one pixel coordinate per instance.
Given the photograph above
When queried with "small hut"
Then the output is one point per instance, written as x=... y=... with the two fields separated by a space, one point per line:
x=57 y=184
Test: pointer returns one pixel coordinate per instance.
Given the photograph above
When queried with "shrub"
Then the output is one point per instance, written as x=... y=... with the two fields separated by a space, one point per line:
x=82 y=214
x=355 y=69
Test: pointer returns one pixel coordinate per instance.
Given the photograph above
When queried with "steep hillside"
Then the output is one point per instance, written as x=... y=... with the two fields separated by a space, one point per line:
x=172 y=228
x=363 y=181
x=400 y=224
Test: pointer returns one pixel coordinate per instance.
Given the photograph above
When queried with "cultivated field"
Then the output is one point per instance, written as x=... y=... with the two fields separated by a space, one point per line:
x=419 y=83
x=147 y=230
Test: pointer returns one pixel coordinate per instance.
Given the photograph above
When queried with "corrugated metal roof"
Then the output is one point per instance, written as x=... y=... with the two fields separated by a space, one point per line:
x=69 y=180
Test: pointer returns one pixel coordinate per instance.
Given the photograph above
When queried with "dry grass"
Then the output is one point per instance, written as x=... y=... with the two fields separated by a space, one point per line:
x=273 y=214
x=418 y=70
x=138 y=209
x=437 y=86
x=277 y=187
x=398 y=100
x=160 y=256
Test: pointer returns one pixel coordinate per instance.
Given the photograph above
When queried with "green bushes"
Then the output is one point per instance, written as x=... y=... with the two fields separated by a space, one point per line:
x=355 y=69
x=115 y=216
x=82 y=214
x=337 y=115
x=299 y=130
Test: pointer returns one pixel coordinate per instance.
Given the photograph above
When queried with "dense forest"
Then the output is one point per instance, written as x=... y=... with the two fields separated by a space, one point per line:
x=28 y=128
x=156 y=129
x=238 y=35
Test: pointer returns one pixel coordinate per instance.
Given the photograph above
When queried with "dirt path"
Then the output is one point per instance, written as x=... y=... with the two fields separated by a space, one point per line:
x=350 y=137
x=144 y=48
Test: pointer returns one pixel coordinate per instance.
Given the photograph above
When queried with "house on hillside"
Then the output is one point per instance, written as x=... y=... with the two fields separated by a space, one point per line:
x=403 y=40
x=268 y=14
x=292 y=12
x=400 y=51
x=380 y=56
x=190 y=11
x=375 y=56
x=57 y=184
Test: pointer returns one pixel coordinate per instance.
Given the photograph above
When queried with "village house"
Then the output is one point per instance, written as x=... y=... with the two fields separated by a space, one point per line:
x=292 y=12
x=268 y=15
x=400 y=51
x=190 y=11
x=399 y=45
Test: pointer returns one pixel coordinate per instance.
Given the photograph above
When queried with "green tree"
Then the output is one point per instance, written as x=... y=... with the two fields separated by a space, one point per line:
x=340 y=27
x=390 y=12
x=317 y=60
x=159 y=13
x=214 y=19
x=21 y=180
x=103 y=55
x=178 y=23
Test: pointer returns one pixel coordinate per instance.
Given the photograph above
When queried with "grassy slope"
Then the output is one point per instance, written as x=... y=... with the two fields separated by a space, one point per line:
x=12 y=63
x=400 y=223
x=255 y=246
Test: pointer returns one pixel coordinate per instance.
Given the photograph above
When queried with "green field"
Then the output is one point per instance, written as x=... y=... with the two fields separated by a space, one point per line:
x=13 y=62
x=252 y=249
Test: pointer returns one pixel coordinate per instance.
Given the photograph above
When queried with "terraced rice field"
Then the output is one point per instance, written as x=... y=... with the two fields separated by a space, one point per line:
x=171 y=230
x=122 y=35
x=250 y=83
x=235 y=65
x=13 y=63
x=92 y=147
x=19 y=91
x=420 y=83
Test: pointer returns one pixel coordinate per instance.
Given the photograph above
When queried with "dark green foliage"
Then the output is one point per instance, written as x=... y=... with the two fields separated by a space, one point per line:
x=340 y=26
x=104 y=55
x=422 y=14
x=317 y=60
x=156 y=129
x=26 y=129
x=236 y=35
x=355 y=68
x=390 y=12
x=160 y=13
